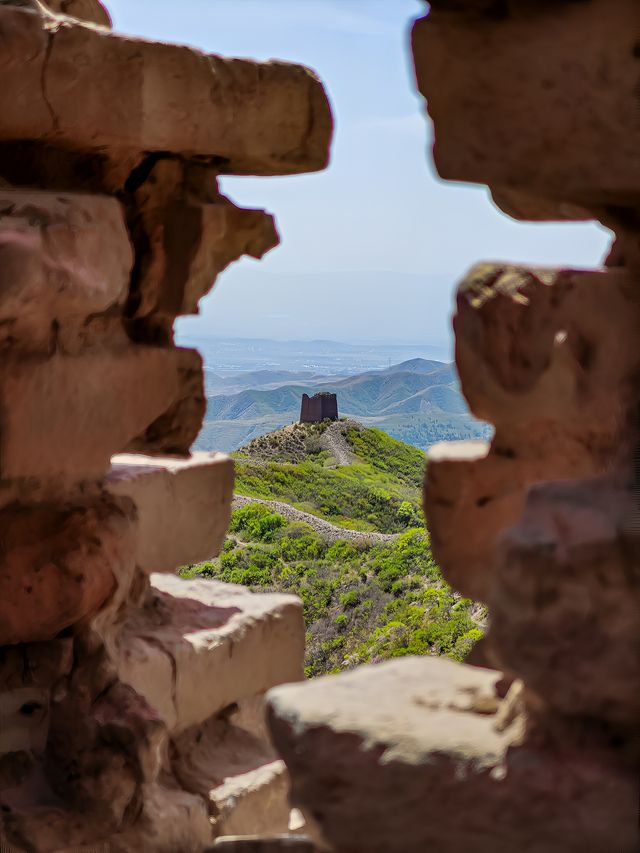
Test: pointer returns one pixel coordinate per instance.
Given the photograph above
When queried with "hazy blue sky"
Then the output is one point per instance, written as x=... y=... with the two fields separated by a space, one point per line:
x=371 y=248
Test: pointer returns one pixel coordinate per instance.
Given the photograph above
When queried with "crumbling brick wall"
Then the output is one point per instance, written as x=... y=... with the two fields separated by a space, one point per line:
x=112 y=225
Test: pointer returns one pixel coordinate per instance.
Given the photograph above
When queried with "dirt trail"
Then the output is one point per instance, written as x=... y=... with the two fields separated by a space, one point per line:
x=334 y=441
x=329 y=532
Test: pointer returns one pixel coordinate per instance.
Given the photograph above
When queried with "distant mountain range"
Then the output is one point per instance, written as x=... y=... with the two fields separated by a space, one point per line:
x=417 y=401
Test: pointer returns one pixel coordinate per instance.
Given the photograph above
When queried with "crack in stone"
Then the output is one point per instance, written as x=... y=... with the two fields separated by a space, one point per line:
x=43 y=82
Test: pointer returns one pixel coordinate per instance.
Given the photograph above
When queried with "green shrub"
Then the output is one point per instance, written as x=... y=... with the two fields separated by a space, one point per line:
x=342 y=552
x=308 y=547
x=257 y=521
x=350 y=599
x=362 y=602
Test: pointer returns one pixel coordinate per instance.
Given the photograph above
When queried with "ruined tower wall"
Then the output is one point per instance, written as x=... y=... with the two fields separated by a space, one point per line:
x=318 y=408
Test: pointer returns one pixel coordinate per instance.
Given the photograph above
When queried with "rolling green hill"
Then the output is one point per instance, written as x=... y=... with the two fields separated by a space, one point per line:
x=364 y=600
x=378 y=491
x=417 y=401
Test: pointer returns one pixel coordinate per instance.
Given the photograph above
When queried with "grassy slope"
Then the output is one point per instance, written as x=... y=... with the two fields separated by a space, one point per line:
x=379 y=491
x=361 y=604
x=364 y=603
x=418 y=402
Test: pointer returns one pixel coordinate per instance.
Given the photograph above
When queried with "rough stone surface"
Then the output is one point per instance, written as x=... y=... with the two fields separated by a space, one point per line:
x=183 y=506
x=174 y=431
x=255 y=802
x=542 y=522
x=236 y=772
x=486 y=69
x=199 y=646
x=35 y=664
x=421 y=737
x=536 y=360
x=192 y=234
x=587 y=598
x=123 y=96
x=204 y=756
x=91 y=11
x=171 y=820
x=103 y=740
x=63 y=258
x=58 y=566
x=84 y=425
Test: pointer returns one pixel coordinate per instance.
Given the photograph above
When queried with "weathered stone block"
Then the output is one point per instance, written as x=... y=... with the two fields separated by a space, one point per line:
x=191 y=234
x=237 y=772
x=91 y=90
x=168 y=821
x=199 y=646
x=512 y=88
x=94 y=405
x=59 y=565
x=63 y=257
x=171 y=820
x=535 y=359
x=175 y=430
x=565 y=600
x=410 y=756
x=102 y=755
x=183 y=506
x=532 y=345
x=253 y=803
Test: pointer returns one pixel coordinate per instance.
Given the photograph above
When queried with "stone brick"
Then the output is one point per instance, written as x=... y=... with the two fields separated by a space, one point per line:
x=536 y=360
x=111 y=225
x=63 y=257
x=532 y=99
x=565 y=601
x=199 y=646
x=183 y=506
x=237 y=772
x=85 y=87
x=203 y=756
x=171 y=820
x=59 y=565
x=410 y=756
x=254 y=803
x=191 y=234
x=175 y=430
x=95 y=404
x=101 y=750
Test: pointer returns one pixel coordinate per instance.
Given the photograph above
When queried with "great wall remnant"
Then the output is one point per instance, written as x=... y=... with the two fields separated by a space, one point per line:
x=111 y=225
x=320 y=407
x=542 y=523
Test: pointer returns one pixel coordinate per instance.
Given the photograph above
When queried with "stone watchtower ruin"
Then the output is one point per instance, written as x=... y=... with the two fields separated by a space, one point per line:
x=320 y=407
